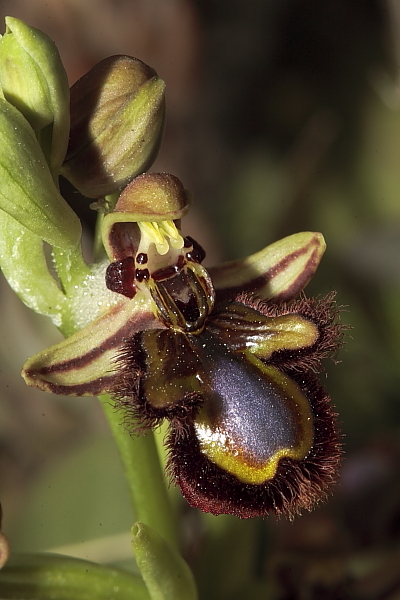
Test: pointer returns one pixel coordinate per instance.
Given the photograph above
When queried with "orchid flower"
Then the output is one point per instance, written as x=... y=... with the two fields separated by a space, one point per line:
x=226 y=355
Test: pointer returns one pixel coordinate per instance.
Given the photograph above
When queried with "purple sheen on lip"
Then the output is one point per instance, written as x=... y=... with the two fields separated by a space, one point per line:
x=254 y=414
x=297 y=485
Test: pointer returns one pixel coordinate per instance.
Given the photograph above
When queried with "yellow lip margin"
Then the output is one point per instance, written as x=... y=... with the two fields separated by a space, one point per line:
x=229 y=456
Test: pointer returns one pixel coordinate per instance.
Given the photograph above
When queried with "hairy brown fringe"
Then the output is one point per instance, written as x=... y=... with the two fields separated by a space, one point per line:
x=296 y=486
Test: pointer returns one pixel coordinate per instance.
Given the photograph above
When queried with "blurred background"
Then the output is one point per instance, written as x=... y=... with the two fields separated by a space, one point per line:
x=282 y=116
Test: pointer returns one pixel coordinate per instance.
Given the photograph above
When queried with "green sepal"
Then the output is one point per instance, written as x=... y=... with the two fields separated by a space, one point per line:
x=34 y=80
x=24 y=265
x=85 y=364
x=28 y=192
x=279 y=271
x=151 y=197
x=165 y=573
x=56 y=577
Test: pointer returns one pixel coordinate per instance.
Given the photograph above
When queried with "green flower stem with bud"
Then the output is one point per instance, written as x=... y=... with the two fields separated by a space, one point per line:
x=124 y=133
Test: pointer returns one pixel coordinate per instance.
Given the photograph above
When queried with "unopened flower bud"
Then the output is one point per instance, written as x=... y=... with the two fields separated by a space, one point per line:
x=117 y=116
x=33 y=79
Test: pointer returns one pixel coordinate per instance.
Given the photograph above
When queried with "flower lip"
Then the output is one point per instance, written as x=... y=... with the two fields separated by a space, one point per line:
x=221 y=479
x=297 y=484
x=222 y=398
x=254 y=417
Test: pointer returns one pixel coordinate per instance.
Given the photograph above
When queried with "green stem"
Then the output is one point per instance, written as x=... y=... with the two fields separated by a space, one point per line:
x=98 y=248
x=109 y=205
x=144 y=476
x=138 y=453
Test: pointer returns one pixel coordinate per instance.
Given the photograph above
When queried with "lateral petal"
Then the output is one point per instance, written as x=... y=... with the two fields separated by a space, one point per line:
x=244 y=328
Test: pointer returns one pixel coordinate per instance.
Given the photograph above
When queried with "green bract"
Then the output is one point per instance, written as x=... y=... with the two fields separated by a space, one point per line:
x=23 y=263
x=28 y=192
x=33 y=79
x=165 y=573
x=117 y=116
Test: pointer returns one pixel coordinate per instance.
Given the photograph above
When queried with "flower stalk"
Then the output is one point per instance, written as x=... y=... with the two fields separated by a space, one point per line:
x=144 y=476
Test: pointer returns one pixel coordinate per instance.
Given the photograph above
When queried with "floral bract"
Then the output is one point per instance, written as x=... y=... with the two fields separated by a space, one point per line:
x=226 y=356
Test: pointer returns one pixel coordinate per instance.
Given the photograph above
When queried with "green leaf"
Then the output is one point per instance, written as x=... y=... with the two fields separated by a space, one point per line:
x=24 y=265
x=56 y=577
x=166 y=574
x=27 y=191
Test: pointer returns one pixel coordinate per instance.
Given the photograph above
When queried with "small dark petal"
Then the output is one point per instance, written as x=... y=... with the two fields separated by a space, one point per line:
x=296 y=485
x=120 y=277
x=142 y=275
x=142 y=258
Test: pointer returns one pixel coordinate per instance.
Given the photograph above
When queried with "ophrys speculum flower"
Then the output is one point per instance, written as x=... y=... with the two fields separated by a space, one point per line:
x=225 y=355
